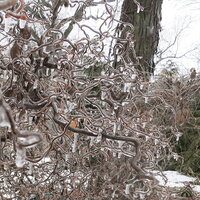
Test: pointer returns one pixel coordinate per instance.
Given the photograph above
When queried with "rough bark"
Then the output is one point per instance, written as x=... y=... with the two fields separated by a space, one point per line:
x=146 y=30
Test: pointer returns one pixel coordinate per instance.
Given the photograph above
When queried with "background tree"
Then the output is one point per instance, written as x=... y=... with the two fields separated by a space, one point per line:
x=145 y=17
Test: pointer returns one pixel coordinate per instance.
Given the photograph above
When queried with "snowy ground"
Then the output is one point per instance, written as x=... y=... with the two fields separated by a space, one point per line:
x=175 y=179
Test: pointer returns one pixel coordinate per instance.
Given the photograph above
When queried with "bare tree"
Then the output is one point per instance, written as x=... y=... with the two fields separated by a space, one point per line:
x=145 y=16
x=73 y=125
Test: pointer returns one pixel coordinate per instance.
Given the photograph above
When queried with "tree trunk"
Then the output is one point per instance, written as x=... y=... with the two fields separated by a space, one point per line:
x=146 y=31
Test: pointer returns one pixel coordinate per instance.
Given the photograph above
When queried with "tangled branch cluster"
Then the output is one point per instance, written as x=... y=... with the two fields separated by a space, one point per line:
x=77 y=120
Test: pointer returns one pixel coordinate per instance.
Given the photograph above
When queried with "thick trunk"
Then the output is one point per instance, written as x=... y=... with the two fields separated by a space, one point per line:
x=146 y=30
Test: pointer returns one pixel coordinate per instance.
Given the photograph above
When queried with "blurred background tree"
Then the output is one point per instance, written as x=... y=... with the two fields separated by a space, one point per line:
x=145 y=18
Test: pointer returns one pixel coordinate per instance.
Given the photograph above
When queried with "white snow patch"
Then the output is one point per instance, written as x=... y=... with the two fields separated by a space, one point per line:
x=175 y=179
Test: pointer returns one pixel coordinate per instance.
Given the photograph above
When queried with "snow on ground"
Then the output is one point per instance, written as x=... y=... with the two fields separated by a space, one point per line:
x=175 y=179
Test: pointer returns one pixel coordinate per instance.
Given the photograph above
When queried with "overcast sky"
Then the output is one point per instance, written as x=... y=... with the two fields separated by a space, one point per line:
x=177 y=15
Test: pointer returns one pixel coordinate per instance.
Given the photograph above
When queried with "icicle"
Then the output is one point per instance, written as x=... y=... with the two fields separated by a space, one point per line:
x=142 y=196
x=25 y=83
x=99 y=138
x=47 y=72
x=125 y=103
x=4 y=121
x=35 y=84
x=116 y=107
x=121 y=69
x=119 y=127
x=103 y=103
x=26 y=116
x=114 y=128
x=113 y=113
x=133 y=76
x=30 y=120
x=156 y=141
x=139 y=8
x=103 y=73
x=158 y=154
x=178 y=135
x=144 y=124
x=152 y=79
x=74 y=146
x=52 y=73
x=22 y=23
x=91 y=141
x=113 y=194
x=9 y=129
x=175 y=156
x=127 y=87
x=30 y=171
x=8 y=23
x=5 y=74
x=141 y=86
x=146 y=99
x=87 y=66
x=67 y=156
x=120 y=146
x=70 y=106
x=20 y=157
x=5 y=181
x=59 y=67
x=125 y=73
x=103 y=95
x=168 y=158
x=15 y=78
x=127 y=189
x=41 y=62
x=112 y=74
x=28 y=140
